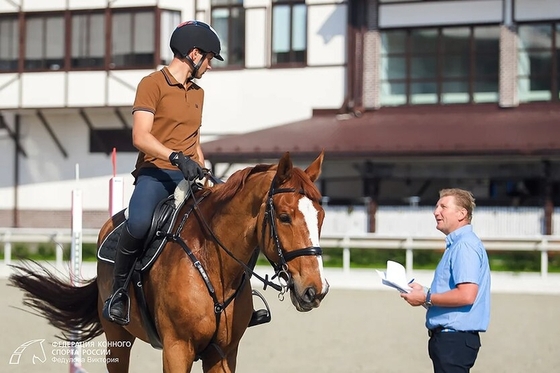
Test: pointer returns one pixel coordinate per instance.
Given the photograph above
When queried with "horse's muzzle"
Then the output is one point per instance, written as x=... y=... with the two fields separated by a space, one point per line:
x=308 y=299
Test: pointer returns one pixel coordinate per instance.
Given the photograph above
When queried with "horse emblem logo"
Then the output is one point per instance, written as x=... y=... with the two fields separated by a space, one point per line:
x=18 y=352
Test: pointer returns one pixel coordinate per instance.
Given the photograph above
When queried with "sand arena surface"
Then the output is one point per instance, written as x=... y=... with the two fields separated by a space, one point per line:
x=353 y=331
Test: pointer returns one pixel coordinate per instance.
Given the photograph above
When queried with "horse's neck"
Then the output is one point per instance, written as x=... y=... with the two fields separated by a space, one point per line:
x=235 y=223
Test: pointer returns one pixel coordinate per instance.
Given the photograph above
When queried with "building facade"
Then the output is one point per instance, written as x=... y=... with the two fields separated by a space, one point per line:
x=367 y=77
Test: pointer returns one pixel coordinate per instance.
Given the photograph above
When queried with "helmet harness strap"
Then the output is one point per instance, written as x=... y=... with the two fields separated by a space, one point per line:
x=195 y=66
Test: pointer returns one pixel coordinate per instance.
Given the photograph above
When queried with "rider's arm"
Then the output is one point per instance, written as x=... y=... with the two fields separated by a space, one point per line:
x=142 y=138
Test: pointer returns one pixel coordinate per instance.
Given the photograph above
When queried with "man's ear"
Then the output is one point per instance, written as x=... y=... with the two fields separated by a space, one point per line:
x=462 y=214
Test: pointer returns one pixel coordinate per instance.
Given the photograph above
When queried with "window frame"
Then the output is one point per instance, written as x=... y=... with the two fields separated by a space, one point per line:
x=230 y=6
x=291 y=54
x=439 y=78
x=13 y=18
x=553 y=75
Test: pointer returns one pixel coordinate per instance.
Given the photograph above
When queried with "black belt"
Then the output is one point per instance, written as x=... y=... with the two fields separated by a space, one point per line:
x=441 y=329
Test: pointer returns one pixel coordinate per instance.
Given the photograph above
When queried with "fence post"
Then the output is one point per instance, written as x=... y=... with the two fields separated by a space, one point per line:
x=346 y=254
x=409 y=256
x=59 y=254
x=544 y=257
x=7 y=249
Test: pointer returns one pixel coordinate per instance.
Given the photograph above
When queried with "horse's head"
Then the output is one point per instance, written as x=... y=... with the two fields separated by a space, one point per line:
x=291 y=222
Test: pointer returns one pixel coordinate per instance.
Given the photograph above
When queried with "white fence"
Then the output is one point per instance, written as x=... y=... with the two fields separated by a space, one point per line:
x=419 y=221
x=409 y=243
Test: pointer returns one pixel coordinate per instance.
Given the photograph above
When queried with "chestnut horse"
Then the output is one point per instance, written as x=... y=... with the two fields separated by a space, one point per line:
x=272 y=207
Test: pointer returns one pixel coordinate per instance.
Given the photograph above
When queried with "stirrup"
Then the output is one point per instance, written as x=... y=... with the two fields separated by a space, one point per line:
x=109 y=305
x=261 y=316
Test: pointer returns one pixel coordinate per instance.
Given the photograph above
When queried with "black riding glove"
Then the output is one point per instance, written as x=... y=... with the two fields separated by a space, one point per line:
x=191 y=169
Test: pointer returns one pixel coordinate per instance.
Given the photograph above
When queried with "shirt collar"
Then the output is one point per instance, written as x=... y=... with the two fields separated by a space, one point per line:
x=454 y=236
x=171 y=79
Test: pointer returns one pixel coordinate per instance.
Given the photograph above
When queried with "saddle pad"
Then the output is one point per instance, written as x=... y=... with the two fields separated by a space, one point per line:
x=108 y=248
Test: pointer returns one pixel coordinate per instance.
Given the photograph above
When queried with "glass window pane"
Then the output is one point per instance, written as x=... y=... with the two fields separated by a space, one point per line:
x=9 y=44
x=393 y=42
x=392 y=93
x=55 y=37
x=535 y=36
x=456 y=66
x=144 y=33
x=486 y=90
x=487 y=65
x=393 y=68
x=169 y=20
x=220 y=22
x=34 y=38
x=456 y=40
x=423 y=67
x=423 y=93
x=79 y=35
x=281 y=29
x=424 y=41
x=122 y=24
x=299 y=28
x=487 y=39
x=531 y=89
x=97 y=35
x=455 y=92
x=237 y=39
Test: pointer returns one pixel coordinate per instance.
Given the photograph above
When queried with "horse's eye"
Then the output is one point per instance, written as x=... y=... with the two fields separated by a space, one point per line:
x=285 y=218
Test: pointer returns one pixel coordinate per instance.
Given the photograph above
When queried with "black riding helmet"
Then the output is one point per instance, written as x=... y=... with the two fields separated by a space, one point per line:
x=195 y=34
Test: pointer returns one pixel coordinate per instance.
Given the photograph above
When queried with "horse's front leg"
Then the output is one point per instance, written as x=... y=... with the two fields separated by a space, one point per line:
x=214 y=363
x=178 y=357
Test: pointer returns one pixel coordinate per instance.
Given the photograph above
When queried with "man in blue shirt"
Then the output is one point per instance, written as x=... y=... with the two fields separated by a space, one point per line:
x=458 y=301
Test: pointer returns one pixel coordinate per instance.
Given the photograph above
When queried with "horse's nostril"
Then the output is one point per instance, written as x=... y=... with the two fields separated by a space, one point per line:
x=309 y=295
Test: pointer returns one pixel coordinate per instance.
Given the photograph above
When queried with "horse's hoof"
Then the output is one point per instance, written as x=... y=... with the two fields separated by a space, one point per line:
x=259 y=317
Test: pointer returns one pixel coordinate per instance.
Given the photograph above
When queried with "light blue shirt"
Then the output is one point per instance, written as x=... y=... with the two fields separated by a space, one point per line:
x=464 y=260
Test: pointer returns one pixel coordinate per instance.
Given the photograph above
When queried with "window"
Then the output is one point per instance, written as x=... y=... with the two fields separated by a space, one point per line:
x=228 y=19
x=88 y=40
x=289 y=32
x=44 y=42
x=538 y=64
x=440 y=65
x=104 y=140
x=9 y=43
x=133 y=39
x=169 y=21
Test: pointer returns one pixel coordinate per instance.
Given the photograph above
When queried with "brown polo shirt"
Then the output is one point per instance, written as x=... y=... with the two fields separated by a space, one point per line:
x=177 y=115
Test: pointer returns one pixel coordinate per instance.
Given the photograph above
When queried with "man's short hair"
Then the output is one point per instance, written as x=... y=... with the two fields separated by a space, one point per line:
x=463 y=198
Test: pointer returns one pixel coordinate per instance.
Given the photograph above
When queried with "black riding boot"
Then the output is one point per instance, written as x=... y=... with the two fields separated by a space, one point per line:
x=115 y=308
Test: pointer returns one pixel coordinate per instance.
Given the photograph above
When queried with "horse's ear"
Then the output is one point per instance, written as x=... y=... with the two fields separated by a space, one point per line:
x=314 y=169
x=284 y=171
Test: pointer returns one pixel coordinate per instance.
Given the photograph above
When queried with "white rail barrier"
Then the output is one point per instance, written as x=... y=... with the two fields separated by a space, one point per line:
x=540 y=243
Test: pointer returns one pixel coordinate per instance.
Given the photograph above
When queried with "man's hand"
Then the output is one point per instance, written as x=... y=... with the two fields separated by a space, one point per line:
x=417 y=296
x=190 y=169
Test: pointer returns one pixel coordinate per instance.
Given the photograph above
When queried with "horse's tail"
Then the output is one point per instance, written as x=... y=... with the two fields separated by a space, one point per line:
x=67 y=307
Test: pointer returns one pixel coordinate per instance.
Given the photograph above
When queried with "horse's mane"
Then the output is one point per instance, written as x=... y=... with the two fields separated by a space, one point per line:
x=298 y=180
x=224 y=192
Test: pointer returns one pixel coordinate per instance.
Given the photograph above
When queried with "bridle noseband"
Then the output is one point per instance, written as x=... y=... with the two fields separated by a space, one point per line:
x=281 y=268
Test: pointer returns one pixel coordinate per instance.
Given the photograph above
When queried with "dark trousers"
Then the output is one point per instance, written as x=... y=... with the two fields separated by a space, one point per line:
x=152 y=185
x=453 y=352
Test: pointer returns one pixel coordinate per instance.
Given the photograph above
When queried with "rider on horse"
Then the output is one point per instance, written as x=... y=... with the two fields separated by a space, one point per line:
x=167 y=115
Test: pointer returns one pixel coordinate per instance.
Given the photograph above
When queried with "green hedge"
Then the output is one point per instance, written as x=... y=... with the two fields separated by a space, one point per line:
x=515 y=261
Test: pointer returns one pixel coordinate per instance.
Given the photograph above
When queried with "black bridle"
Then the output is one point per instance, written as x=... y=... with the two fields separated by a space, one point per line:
x=281 y=268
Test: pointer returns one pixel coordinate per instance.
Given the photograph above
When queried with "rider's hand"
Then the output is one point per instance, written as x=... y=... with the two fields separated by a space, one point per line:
x=191 y=169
